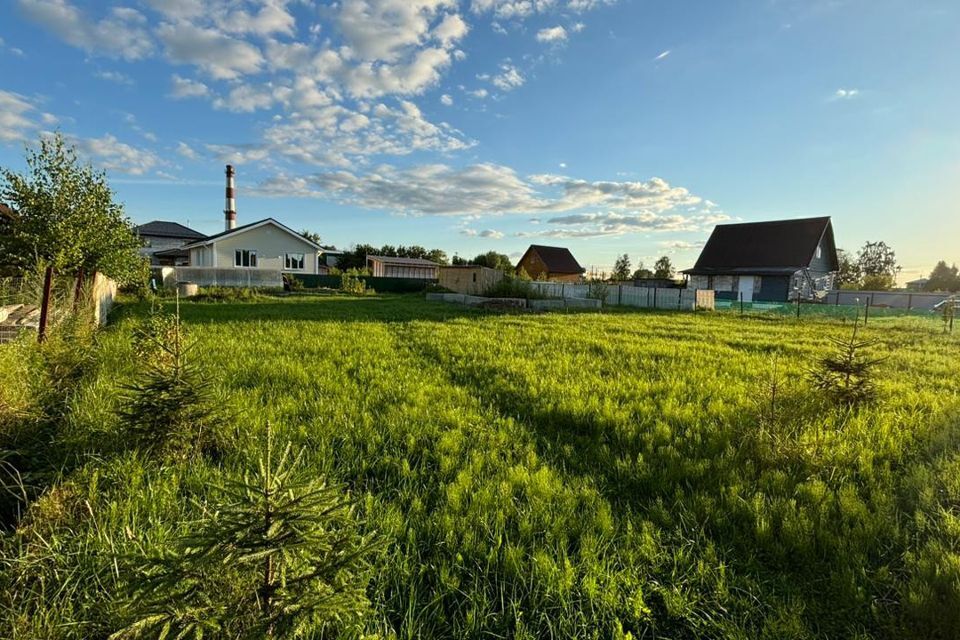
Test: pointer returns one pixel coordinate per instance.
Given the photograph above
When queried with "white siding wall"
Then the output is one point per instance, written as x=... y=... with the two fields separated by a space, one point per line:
x=270 y=243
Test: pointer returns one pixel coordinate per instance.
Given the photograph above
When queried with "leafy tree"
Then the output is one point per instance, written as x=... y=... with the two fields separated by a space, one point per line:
x=848 y=274
x=66 y=217
x=312 y=236
x=621 y=269
x=642 y=272
x=278 y=555
x=494 y=260
x=877 y=263
x=356 y=258
x=663 y=268
x=943 y=278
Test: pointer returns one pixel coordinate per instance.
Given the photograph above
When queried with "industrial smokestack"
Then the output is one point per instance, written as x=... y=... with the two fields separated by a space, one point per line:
x=230 y=210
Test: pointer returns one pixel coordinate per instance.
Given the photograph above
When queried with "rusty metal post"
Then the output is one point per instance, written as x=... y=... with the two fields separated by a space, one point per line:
x=45 y=304
x=78 y=289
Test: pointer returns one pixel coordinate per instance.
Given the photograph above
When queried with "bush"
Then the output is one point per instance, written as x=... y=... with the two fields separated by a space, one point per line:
x=514 y=287
x=350 y=283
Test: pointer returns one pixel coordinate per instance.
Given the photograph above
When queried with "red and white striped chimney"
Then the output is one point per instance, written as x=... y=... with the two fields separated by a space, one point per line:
x=230 y=209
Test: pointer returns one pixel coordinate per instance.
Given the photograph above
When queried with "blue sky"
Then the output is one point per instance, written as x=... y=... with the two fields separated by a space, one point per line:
x=606 y=126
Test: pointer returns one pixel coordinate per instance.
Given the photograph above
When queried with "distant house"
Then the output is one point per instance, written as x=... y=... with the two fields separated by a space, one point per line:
x=470 y=279
x=768 y=261
x=555 y=264
x=391 y=267
x=264 y=244
x=163 y=242
x=328 y=258
x=917 y=285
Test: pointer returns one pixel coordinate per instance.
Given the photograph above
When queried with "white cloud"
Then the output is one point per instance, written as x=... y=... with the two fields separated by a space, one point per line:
x=486 y=233
x=385 y=29
x=846 y=94
x=111 y=154
x=451 y=29
x=509 y=78
x=221 y=56
x=114 y=76
x=272 y=17
x=552 y=34
x=446 y=100
x=16 y=117
x=491 y=189
x=121 y=33
x=186 y=88
x=663 y=54
x=479 y=93
x=186 y=151
x=682 y=245
x=245 y=98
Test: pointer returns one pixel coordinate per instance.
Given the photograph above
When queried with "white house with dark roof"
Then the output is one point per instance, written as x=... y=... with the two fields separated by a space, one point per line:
x=264 y=244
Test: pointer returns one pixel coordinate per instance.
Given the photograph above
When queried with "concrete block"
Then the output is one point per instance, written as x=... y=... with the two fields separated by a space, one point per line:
x=582 y=303
x=435 y=297
x=545 y=305
x=453 y=297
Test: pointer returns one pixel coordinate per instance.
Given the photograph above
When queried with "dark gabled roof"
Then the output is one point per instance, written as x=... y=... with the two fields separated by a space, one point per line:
x=167 y=229
x=558 y=259
x=412 y=262
x=244 y=227
x=172 y=253
x=779 y=246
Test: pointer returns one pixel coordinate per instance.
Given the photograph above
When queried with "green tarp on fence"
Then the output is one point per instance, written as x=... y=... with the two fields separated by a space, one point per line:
x=385 y=285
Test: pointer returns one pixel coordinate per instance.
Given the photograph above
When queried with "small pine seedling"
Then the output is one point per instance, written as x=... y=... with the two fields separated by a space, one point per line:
x=279 y=555
x=846 y=375
x=172 y=411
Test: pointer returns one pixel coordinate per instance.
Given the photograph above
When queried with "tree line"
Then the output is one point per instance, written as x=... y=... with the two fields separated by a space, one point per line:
x=875 y=268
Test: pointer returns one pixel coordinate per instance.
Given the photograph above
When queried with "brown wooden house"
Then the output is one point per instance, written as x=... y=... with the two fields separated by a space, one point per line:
x=555 y=264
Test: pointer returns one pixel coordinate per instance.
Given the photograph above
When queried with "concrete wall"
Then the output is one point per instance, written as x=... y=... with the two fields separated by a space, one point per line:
x=103 y=293
x=472 y=280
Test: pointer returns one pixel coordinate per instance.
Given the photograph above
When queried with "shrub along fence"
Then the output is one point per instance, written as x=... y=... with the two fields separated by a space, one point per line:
x=383 y=285
x=624 y=295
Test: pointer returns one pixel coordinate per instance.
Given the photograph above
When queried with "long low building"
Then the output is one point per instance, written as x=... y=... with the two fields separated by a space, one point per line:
x=392 y=267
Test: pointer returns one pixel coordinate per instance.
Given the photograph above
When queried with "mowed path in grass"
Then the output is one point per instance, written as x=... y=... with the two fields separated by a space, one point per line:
x=593 y=475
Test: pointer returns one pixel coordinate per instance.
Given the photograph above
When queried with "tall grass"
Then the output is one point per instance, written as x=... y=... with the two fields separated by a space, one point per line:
x=630 y=474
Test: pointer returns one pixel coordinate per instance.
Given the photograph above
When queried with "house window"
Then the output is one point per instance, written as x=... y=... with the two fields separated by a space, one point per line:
x=245 y=258
x=293 y=261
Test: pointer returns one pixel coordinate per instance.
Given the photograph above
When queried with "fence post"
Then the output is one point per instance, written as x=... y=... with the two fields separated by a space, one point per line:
x=563 y=289
x=866 y=310
x=798 y=304
x=78 y=289
x=741 y=303
x=909 y=301
x=45 y=304
x=654 y=297
x=619 y=295
x=679 y=299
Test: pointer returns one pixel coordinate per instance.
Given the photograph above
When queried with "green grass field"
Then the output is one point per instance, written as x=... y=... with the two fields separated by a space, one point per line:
x=624 y=474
